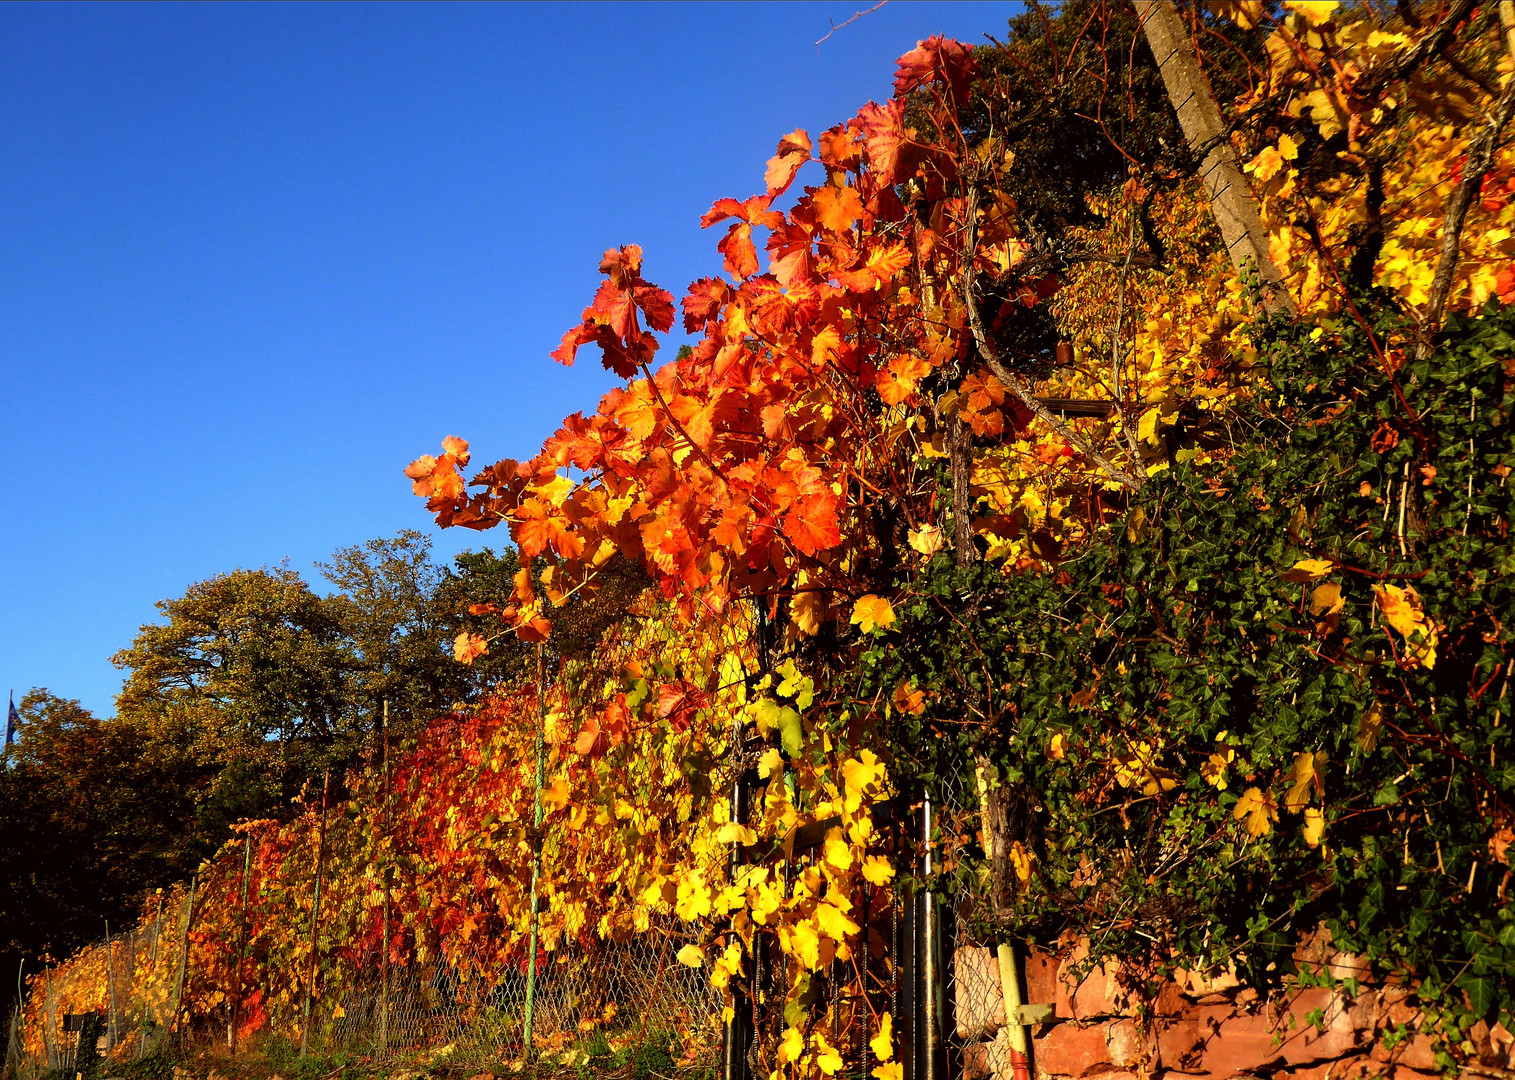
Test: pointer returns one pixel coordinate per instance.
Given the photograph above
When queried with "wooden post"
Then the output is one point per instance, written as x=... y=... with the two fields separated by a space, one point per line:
x=315 y=912
x=110 y=988
x=189 y=914
x=49 y=1019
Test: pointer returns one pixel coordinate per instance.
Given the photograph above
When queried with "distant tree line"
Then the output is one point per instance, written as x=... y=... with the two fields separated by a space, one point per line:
x=248 y=687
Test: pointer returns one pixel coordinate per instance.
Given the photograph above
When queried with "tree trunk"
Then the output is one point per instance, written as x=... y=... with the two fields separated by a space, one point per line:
x=1231 y=198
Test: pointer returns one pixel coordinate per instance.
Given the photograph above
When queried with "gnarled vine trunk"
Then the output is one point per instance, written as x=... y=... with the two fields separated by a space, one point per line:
x=1232 y=200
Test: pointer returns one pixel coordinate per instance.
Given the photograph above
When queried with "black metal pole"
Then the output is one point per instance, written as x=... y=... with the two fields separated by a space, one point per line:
x=738 y=1034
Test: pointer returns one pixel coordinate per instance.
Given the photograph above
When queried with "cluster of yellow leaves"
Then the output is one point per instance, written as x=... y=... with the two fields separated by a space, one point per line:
x=1416 y=135
x=1303 y=783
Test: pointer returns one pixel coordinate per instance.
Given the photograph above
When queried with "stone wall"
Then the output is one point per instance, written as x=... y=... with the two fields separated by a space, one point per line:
x=1209 y=1029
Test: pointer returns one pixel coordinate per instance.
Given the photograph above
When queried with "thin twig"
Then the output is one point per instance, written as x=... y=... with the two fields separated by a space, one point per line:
x=856 y=15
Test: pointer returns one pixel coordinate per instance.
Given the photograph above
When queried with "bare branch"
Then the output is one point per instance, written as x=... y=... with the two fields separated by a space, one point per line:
x=1480 y=158
x=856 y=15
x=1012 y=381
x=1413 y=57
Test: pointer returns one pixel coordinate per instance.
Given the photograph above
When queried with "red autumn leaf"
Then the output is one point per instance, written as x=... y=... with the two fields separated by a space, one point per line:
x=706 y=298
x=466 y=647
x=812 y=525
x=754 y=211
x=937 y=59
x=884 y=128
x=582 y=334
x=678 y=702
x=589 y=736
x=420 y=471
x=623 y=265
x=839 y=149
x=793 y=152
x=736 y=246
x=456 y=448
x=656 y=306
x=882 y=265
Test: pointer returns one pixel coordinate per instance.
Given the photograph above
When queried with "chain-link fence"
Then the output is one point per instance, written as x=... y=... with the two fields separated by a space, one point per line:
x=464 y=1012
x=465 y=1007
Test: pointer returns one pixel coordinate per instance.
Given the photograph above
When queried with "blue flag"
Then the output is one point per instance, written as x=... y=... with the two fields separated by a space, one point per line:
x=12 y=722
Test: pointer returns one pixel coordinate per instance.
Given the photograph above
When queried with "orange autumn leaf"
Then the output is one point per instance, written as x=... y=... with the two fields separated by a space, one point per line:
x=793 y=152
x=467 y=647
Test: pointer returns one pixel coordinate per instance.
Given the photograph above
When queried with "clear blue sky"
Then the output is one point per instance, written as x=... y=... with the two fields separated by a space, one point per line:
x=254 y=259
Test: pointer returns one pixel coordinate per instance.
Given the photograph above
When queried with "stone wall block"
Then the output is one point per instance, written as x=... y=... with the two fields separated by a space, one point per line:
x=1180 y=1045
x=1070 y=1050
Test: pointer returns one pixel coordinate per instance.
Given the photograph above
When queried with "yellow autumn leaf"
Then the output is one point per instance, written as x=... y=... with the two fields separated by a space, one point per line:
x=555 y=795
x=1313 y=12
x=833 y=923
x=1401 y=609
x=802 y=940
x=926 y=539
x=1308 y=570
x=876 y=870
x=1259 y=809
x=1146 y=428
x=1368 y=725
x=1288 y=149
x=693 y=898
x=771 y=763
x=882 y=1044
x=1057 y=746
x=859 y=773
x=1020 y=859
x=889 y=1070
x=338 y=1012
x=732 y=833
x=1215 y=767
x=836 y=852
x=691 y=955
x=1325 y=599
x=1302 y=775
x=807 y=608
x=826 y=1057
x=791 y=1046
x=555 y=490
x=872 y=612
x=1315 y=826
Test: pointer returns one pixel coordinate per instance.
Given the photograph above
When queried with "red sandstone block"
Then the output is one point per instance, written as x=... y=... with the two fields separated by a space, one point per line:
x=1179 y=1045
x=1072 y=1050
x=1241 y=1042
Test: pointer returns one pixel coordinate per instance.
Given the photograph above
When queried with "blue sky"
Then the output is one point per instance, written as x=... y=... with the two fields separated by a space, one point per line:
x=254 y=259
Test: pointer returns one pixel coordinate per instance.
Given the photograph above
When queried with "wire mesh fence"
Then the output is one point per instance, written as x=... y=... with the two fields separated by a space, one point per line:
x=463 y=1012
x=463 y=1005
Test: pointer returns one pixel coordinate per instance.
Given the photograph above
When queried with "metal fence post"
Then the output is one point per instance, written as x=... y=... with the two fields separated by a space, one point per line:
x=236 y=1009
x=930 y=1045
x=739 y=1029
x=315 y=913
x=536 y=856
x=384 y=881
